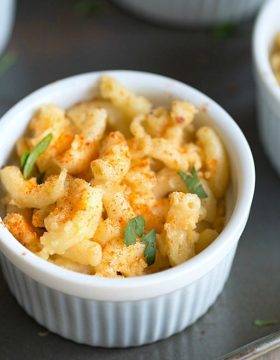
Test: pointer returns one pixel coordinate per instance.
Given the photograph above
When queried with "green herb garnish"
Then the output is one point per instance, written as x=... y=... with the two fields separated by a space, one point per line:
x=24 y=159
x=29 y=159
x=135 y=227
x=193 y=184
x=87 y=8
x=149 y=240
x=223 y=31
x=259 y=322
x=6 y=61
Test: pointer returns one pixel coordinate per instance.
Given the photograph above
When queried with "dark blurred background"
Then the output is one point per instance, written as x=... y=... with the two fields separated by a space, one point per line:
x=57 y=38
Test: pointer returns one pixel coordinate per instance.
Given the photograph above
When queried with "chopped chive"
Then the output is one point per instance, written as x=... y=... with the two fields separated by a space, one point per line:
x=149 y=240
x=135 y=227
x=261 y=322
x=193 y=184
x=23 y=159
x=87 y=8
x=31 y=159
x=6 y=61
x=223 y=31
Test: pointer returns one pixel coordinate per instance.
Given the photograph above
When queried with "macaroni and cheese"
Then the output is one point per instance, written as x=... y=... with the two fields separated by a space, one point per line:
x=116 y=187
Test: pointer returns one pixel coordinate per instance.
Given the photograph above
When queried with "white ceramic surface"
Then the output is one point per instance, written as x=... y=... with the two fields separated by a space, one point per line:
x=7 y=12
x=132 y=311
x=268 y=90
x=193 y=12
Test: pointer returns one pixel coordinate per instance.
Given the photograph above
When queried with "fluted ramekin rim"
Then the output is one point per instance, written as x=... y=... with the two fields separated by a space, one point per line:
x=147 y=286
x=261 y=46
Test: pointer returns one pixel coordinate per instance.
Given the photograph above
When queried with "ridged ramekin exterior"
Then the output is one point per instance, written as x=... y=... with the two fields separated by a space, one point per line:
x=269 y=123
x=117 y=324
x=194 y=12
x=7 y=14
x=268 y=90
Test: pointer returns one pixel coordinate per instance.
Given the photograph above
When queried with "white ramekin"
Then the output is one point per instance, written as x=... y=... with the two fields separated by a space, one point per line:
x=268 y=90
x=193 y=12
x=7 y=13
x=133 y=311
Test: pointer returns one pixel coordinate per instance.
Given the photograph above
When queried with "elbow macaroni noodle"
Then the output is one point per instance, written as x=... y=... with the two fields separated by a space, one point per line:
x=275 y=57
x=112 y=159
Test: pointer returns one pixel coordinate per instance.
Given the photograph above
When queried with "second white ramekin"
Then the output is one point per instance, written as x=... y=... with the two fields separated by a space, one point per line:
x=132 y=311
x=193 y=12
x=268 y=89
x=7 y=13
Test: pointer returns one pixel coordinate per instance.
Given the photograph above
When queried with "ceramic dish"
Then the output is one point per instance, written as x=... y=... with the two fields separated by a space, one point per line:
x=7 y=13
x=268 y=89
x=128 y=311
x=193 y=12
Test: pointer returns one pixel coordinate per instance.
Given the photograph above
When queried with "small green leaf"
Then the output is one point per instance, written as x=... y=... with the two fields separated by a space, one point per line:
x=23 y=159
x=129 y=235
x=260 y=322
x=6 y=61
x=223 y=31
x=87 y=8
x=193 y=184
x=135 y=227
x=34 y=154
x=149 y=240
x=138 y=224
